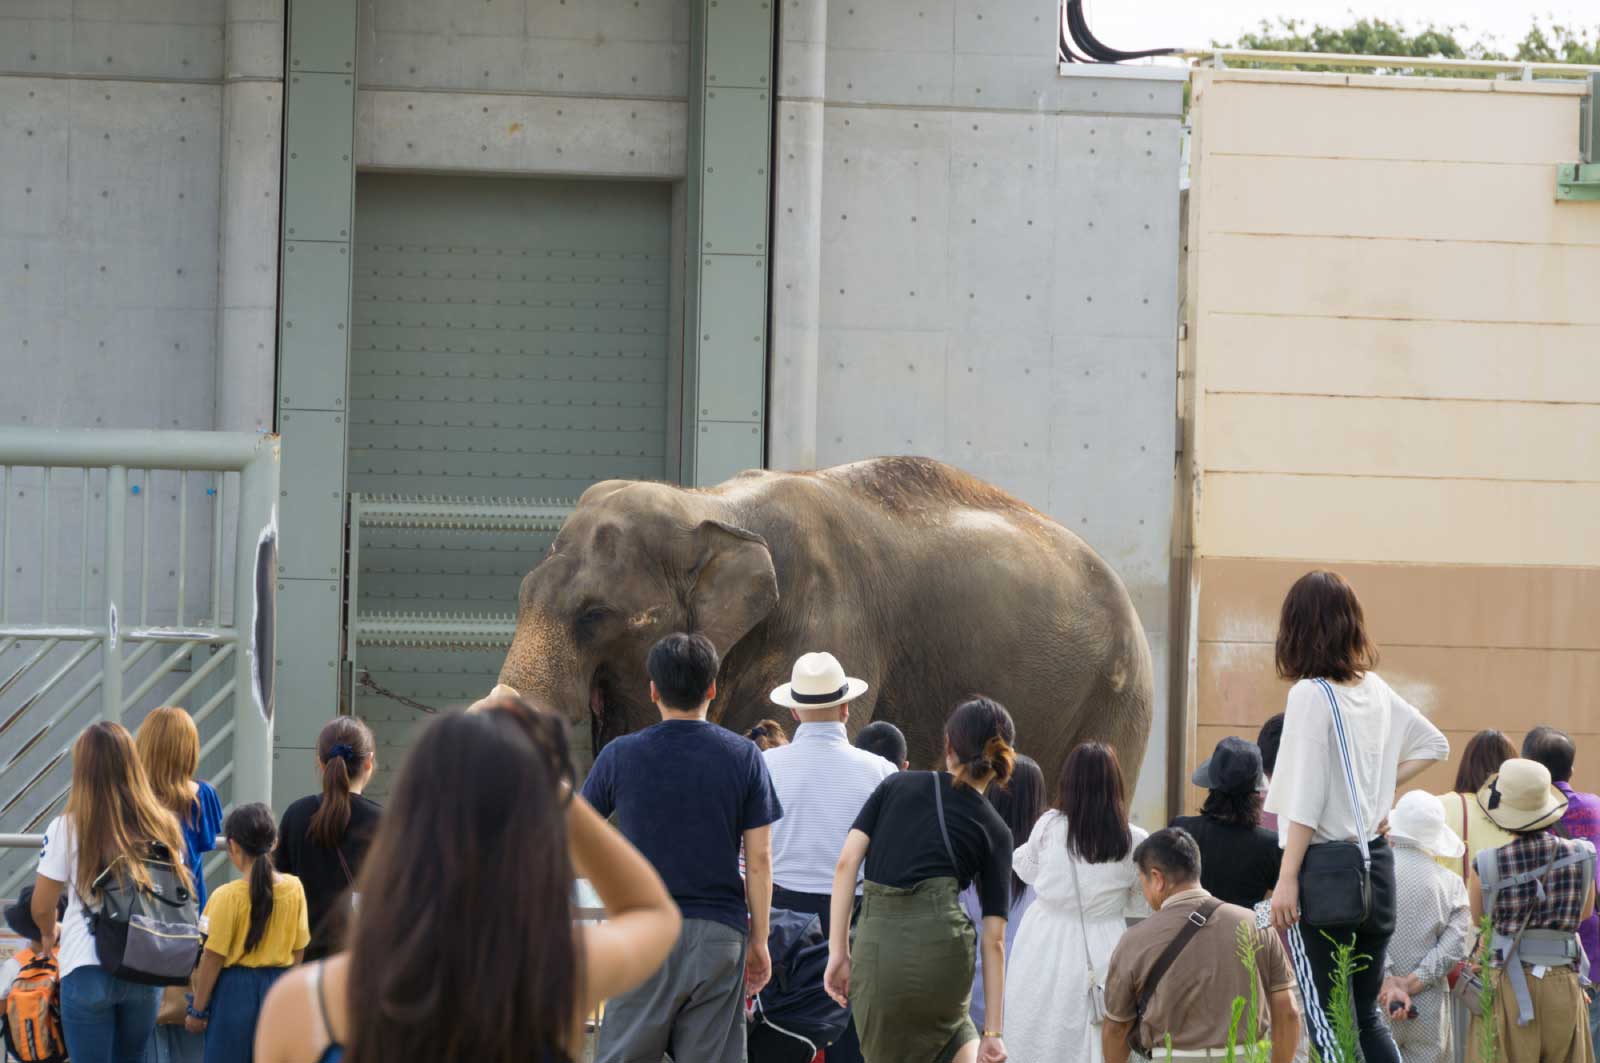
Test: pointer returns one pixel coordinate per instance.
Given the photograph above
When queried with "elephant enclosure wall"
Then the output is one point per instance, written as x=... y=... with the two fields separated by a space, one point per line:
x=1390 y=370
x=976 y=261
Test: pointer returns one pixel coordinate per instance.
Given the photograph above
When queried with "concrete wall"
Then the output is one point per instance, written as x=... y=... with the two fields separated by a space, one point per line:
x=1392 y=337
x=976 y=260
x=525 y=87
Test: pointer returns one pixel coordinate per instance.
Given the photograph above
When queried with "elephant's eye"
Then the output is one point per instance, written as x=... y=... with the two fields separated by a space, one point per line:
x=591 y=618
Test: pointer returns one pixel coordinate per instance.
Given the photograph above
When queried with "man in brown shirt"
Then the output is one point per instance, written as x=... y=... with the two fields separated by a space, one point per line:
x=1193 y=1001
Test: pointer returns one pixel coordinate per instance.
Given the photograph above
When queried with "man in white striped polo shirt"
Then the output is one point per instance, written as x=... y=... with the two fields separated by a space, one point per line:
x=822 y=782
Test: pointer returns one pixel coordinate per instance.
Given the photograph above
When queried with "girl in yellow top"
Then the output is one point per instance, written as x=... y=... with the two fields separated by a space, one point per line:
x=257 y=929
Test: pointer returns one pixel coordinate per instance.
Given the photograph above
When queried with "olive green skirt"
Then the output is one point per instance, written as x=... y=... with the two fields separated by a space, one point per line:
x=911 y=973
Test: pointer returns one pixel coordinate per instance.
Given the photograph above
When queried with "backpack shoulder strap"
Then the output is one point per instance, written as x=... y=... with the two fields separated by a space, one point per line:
x=1488 y=876
x=944 y=831
x=1191 y=926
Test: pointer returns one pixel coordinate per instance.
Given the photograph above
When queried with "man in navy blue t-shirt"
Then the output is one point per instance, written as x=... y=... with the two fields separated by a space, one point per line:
x=687 y=793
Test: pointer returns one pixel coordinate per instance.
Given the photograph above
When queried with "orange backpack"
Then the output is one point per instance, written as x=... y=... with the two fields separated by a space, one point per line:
x=32 y=1016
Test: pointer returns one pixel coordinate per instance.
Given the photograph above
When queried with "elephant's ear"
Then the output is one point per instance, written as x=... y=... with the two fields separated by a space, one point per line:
x=734 y=585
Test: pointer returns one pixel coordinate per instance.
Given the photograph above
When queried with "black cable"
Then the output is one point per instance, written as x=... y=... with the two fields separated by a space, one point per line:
x=1084 y=38
x=1064 y=50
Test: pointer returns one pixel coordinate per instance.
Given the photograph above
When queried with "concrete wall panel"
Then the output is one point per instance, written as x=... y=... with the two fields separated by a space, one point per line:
x=548 y=46
x=496 y=133
x=108 y=243
x=996 y=283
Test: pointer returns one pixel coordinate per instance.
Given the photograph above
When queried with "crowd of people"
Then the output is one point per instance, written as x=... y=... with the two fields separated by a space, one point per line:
x=790 y=895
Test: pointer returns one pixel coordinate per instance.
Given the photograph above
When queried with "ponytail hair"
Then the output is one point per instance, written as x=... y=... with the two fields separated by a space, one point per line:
x=250 y=827
x=344 y=747
x=980 y=733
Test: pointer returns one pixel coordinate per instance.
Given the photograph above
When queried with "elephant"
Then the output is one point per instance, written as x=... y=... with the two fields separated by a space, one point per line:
x=927 y=582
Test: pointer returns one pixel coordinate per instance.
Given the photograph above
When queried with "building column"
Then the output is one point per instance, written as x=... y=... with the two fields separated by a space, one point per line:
x=313 y=373
x=252 y=146
x=728 y=233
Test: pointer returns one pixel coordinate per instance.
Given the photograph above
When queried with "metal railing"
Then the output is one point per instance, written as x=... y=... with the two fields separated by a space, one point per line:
x=436 y=630
x=91 y=615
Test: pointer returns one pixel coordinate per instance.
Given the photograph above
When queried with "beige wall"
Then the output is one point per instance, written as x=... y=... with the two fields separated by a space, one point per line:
x=1393 y=369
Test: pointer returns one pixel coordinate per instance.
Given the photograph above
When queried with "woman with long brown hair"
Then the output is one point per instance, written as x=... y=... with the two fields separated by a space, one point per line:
x=464 y=944
x=323 y=838
x=1485 y=752
x=169 y=749
x=1348 y=741
x=111 y=821
x=923 y=837
x=1079 y=858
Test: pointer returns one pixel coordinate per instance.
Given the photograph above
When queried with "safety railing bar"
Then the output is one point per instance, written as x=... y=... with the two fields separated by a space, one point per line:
x=10 y=633
x=183 y=538
x=112 y=663
x=6 y=642
x=177 y=697
x=138 y=655
x=161 y=671
x=62 y=713
x=144 y=552
x=44 y=551
x=60 y=755
x=7 y=888
x=103 y=448
x=32 y=840
x=224 y=775
x=83 y=553
x=7 y=683
x=5 y=546
x=24 y=749
x=223 y=733
x=217 y=510
x=216 y=699
x=178 y=634
x=50 y=684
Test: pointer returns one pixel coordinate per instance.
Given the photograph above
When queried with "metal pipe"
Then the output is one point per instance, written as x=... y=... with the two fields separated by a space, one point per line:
x=144 y=552
x=217 y=739
x=5 y=548
x=62 y=712
x=43 y=651
x=116 y=541
x=183 y=538
x=50 y=684
x=83 y=553
x=187 y=687
x=160 y=449
x=44 y=551
x=161 y=671
x=217 y=510
x=216 y=699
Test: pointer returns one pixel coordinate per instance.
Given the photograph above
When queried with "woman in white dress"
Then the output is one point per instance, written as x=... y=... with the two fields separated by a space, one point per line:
x=1079 y=862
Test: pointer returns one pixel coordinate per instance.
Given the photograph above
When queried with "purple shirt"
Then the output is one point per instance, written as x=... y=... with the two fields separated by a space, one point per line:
x=1582 y=820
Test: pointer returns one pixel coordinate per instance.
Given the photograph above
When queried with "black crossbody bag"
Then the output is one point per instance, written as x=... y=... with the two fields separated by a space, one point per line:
x=1336 y=877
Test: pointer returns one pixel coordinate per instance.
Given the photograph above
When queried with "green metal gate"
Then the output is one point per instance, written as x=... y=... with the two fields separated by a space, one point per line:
x=509 y=348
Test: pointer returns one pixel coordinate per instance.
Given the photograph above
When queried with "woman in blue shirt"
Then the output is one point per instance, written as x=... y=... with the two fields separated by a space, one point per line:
x=169 y=750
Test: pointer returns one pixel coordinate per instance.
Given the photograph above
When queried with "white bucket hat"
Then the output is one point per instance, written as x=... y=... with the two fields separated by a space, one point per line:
x=1419 y=819
x=818 y=682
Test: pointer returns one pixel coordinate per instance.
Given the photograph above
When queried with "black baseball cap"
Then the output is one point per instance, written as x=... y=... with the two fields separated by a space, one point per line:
x=1235 y=767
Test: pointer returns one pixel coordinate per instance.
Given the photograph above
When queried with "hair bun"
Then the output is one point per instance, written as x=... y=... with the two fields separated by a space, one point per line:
x=999 y=758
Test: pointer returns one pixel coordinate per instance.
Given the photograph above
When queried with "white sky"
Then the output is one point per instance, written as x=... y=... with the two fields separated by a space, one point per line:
x=1136 y=24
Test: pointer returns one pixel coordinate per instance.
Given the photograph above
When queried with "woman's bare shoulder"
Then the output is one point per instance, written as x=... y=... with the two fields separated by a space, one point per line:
x=292 y=1028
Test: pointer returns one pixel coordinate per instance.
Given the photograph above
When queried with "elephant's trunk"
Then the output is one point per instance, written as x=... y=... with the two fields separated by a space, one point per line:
x=543 y=666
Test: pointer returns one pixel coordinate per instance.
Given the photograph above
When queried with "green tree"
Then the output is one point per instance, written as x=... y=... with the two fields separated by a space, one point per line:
x=1555 y=43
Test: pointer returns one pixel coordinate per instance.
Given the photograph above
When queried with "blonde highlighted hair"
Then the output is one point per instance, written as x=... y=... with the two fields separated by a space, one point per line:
x=113 y=812
x=169 y=749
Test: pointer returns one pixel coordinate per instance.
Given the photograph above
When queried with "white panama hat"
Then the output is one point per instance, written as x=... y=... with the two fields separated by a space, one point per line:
x=1419 y=819
x=818 y=682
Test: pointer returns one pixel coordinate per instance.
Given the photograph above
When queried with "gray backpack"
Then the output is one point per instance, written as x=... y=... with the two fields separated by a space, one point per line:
x=146 y=935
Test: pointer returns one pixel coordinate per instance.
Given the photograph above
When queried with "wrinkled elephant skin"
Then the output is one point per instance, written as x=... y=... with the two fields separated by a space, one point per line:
x=927 y=583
